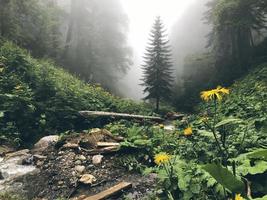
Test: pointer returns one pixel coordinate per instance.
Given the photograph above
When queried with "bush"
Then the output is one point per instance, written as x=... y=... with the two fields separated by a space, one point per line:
x=39 y=98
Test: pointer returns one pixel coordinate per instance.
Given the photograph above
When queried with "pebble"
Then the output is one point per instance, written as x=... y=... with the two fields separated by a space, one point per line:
x=60 y=182
x=97 y=159
x=80 y=168
x=87 y=179
x=80 y=157
x=78 y=162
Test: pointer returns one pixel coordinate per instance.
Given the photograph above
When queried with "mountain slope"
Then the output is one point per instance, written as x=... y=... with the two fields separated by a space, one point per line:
x=39 y=98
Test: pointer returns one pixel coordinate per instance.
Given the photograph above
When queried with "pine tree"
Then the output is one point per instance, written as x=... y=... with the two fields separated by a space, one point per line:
x=157 y=70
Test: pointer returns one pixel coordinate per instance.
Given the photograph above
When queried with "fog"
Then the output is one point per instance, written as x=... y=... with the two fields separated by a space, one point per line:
x=175 y=14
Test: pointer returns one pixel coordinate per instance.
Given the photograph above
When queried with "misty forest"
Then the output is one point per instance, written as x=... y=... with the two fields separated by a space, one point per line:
x=133 y=100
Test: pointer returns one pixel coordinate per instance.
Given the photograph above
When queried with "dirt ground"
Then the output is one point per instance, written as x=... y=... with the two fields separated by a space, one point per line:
x=60 y=170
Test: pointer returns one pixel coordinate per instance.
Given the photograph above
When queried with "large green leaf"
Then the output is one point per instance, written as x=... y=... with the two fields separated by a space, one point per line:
x=258 y=154
x=223 y=176
x=206 y=133
x=262 y=198
x=228 y=121
x=246 y=168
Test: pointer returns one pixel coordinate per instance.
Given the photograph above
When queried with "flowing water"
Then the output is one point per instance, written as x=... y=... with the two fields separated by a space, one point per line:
x=11 y=168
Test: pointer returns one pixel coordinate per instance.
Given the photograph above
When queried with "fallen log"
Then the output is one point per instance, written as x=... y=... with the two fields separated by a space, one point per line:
x=122 y=115
x=104 y=150
x=107 y=144
x=110 y=192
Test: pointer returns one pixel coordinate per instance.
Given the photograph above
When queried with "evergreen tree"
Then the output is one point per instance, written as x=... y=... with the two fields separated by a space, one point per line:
x=157 y=76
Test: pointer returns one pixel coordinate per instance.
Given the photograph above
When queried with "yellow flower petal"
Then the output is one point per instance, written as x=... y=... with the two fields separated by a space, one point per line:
x=161 y=126
x=188 y=131
x=216 y=94
x=238 y=197
x=162 y=158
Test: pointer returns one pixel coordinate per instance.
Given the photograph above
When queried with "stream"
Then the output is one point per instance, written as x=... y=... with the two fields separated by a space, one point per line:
x=11 y=167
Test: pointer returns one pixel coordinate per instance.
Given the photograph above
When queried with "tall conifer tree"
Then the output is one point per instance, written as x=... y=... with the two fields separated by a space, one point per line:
x=157 y=69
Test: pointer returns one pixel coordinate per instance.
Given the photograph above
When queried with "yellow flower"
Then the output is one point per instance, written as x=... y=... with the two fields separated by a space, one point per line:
x=188 y=131
x=161 y=126
x=224 y=90
x=161 y=158
x=238 y=197
x=214 y=94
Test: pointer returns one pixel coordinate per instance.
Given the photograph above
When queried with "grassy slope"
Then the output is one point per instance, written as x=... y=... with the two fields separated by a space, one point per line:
x=248 y=98
x=37 y=97
x=248 y=101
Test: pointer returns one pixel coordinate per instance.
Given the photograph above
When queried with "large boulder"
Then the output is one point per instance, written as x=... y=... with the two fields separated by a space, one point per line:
x=44 y=143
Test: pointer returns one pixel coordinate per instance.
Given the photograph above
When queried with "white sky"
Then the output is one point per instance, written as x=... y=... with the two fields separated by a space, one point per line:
x=141 y=14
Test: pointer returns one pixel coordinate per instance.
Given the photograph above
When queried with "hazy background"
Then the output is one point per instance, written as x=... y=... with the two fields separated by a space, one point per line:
x=184 y=23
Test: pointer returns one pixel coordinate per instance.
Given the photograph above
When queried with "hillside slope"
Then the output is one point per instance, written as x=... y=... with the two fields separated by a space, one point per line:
x=39 y=98
x=248 y=97
x=248 y=101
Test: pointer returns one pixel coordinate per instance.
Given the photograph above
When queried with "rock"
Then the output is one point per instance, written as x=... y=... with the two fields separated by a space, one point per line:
x=80 y=157
x=39 y=163
x=5 y=149
x=78 y=162
x=97 y=159
x=28 y=160
x=71 y=146
x=80 y=168
x=60 y=182
x=60 y=153
x=24 y=152
x=44 y=143
x=73 y=173
x=87 y=179
x=39 y=157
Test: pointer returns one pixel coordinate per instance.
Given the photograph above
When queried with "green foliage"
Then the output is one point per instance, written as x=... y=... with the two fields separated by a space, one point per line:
x=38 y=98
x=223 y=176
x=8 y=196
x=31 y=24
x=189 y=181
x=253 y=166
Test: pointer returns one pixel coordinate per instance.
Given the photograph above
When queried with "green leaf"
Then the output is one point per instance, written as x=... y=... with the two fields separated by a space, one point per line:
x=258 y=154
x=195 y=188
x=206 y=133
x=262 y=198
x=142 y=142
x=259 y=168
x=223 y=176
x=211 y=182
x=228 y=121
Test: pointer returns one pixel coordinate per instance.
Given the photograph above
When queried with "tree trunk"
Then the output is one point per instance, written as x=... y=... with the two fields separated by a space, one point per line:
x=157 y=104
x=70 y=30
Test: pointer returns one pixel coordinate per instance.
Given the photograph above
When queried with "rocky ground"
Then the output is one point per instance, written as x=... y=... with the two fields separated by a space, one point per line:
x=70 y=168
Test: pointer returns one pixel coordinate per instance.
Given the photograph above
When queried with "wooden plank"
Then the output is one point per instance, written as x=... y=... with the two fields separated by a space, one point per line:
x=123 y=115
x=110 y=192
x=107 y=144
x=102 y=150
